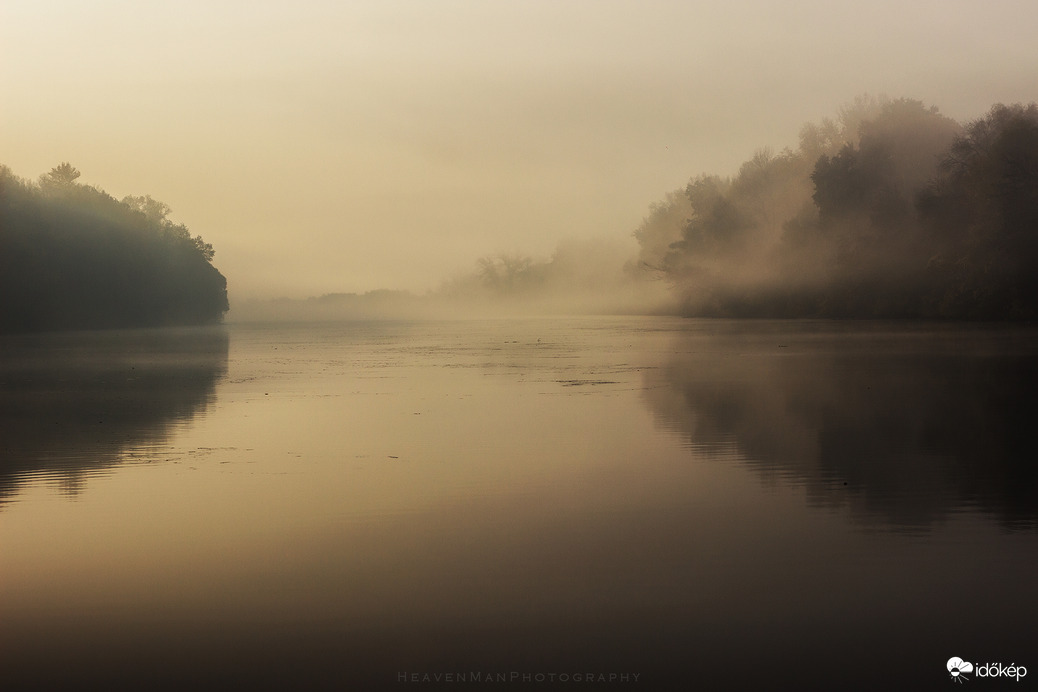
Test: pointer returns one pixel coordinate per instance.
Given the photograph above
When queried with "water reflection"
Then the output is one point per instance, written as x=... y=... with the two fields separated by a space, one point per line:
x=72 y=404
x=905 y=424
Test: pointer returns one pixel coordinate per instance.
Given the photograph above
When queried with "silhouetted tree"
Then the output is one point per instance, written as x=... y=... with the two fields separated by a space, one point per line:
x=982 y=212
x=506 y=273
x=71 y=257
x=661 y=229
x=890 y=210
x=64 y=175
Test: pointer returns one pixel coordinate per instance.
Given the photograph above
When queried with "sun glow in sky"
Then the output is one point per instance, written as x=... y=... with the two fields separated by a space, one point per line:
x=348 y=146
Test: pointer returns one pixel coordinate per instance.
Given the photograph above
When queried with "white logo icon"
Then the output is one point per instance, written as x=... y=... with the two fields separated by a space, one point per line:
x=958 y=668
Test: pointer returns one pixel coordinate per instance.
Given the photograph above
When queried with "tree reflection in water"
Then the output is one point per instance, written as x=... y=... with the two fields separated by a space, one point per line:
x=72 y=403
x=904 y=423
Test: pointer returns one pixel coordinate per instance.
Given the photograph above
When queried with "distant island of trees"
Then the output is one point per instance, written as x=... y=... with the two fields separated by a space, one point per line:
x=891 y=210
x=74 y=257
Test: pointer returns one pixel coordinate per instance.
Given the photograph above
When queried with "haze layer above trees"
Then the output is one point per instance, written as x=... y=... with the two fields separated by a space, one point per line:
x=890 y=210
x=73 y=257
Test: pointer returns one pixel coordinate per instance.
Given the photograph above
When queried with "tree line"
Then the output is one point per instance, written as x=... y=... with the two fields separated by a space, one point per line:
x=889 y=210
x=74 y=257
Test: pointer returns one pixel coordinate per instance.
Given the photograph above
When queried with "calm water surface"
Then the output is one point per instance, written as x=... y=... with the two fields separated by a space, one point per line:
x=346 y=506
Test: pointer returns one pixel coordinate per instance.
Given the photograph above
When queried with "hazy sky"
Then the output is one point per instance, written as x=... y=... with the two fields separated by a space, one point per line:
x=345 y=146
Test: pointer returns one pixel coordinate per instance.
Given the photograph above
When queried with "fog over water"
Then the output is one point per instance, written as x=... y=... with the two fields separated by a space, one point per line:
x=349 y=147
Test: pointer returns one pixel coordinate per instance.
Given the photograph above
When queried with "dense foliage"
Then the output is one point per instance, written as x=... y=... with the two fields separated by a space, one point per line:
x=892 y=210
x=73 y=257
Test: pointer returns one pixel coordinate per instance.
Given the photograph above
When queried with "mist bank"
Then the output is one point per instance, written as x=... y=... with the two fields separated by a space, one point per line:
x=582 y=277
x=74 y=257
x=889 y=210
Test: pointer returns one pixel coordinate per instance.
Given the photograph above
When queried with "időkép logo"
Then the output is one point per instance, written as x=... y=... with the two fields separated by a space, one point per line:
x=960 y=671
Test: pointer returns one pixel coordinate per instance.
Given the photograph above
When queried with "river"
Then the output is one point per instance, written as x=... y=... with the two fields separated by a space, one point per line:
x=645 y=503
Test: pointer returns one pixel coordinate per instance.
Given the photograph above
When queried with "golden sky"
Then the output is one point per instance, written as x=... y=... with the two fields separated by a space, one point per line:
x=327 y=146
